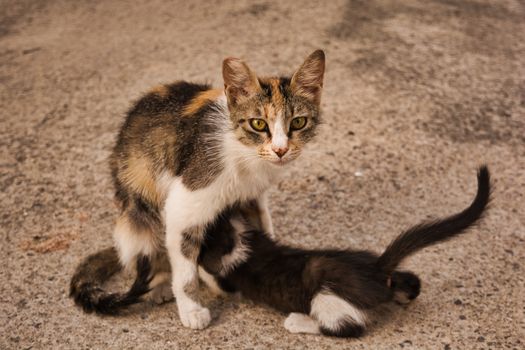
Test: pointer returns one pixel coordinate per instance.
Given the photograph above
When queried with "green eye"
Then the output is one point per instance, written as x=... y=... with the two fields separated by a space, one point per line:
x=258 y=124
x=298 y=123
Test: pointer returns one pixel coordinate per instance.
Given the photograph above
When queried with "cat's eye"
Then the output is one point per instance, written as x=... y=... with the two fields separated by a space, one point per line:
x=298 y=123
x=258 y=124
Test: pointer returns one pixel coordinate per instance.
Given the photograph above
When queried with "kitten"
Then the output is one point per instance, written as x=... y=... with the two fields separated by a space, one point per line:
x=325 y=291
x=185 y=153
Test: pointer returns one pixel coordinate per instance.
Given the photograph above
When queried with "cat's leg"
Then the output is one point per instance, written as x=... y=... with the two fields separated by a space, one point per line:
x=336 y=316
x=137 y=232
x=266 y=218
x=183 y=248
x=301 y=323
x=160 y=285
x=405 y=285
x=211 y=282
x=186 y=214
x=161 y=291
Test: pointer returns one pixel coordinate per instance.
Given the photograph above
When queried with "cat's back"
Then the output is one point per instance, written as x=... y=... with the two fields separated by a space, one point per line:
x=158 y=136
x=164 y=102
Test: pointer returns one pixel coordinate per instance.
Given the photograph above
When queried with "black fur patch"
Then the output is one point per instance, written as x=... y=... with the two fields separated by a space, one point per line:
x=87 y=289
x=191 y=243
x=143 y=216
x=284 y=87
x=199 y=159
x=266 y=88
x=288 y=278
x=346 y=329
x=407 y=283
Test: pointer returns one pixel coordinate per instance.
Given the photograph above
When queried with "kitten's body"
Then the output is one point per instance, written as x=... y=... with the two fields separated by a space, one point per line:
x=327 y=291
x=186 y=152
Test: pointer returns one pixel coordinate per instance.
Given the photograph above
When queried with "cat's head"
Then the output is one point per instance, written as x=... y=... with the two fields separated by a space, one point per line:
x=275 y=116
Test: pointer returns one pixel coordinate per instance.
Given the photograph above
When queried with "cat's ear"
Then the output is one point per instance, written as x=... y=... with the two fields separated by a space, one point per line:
x=240 y=82
x=308 y=80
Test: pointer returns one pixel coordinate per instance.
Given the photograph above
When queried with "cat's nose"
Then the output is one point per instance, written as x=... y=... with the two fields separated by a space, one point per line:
x=280 y=151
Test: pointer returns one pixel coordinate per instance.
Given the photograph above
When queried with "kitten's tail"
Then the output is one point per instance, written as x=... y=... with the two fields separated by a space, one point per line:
x=86 y=284
x=427 y=234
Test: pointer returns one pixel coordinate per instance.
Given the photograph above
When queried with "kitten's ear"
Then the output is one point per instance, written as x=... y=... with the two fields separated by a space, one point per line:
x=240 y=82
x=308 y=80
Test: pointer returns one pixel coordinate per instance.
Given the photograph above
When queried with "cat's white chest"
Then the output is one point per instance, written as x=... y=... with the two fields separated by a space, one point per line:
x=238 y=181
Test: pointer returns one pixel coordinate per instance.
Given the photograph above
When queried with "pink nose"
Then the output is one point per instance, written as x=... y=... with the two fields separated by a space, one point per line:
x=281 y=151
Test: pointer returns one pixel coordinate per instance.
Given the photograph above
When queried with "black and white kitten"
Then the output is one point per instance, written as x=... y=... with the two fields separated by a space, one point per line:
x=325 y=291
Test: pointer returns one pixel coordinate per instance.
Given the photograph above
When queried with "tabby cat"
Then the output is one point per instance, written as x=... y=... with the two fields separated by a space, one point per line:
x=186 y=152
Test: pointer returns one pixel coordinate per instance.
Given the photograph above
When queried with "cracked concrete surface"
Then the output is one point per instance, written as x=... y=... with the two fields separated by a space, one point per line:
x=417 y=94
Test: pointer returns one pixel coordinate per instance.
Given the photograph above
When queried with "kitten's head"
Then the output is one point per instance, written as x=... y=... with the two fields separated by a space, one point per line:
x=275 y=116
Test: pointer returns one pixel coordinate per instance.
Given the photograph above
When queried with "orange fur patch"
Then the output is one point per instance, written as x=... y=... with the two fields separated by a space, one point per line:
x=140 y=178
x=277 y=97
x=201 y=100
x=269 y=111
x=161 y=91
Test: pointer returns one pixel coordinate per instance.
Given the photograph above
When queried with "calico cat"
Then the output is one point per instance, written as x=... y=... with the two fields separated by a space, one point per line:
x=186 y=152
x=325 y=291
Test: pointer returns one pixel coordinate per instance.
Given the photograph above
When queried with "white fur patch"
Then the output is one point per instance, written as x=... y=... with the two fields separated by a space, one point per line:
x=131 y=243
x=191 y=313
x=301 y=323
x=163 y=183
x=266 y=218
x=240 y=252
x=331 y=311
x=279 y=137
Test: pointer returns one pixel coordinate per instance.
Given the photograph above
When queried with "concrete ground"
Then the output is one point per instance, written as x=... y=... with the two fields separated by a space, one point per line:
x=418 y=94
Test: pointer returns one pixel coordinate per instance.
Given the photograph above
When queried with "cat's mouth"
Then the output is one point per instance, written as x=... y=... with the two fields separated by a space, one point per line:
x=280 y=161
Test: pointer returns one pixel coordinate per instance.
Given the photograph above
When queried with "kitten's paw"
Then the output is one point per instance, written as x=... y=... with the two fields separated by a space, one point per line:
x=301 y=323
x=162 y=293
x=406 y=286
x=197 y=317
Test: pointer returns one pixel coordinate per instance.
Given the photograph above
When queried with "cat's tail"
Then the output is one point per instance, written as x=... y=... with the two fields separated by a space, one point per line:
x=91 y=274
x=429 y=233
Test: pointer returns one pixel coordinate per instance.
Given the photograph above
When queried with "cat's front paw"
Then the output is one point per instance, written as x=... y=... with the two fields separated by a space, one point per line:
x=197 y=317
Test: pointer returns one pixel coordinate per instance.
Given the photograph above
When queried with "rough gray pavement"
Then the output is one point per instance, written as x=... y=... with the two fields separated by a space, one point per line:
x=418 y=94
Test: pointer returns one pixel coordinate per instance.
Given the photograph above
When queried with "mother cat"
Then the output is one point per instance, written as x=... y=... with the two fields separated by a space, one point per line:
x=186 y=152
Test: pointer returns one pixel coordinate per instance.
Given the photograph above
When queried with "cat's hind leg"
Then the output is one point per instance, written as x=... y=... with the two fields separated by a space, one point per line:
x=160 y=284
x=405 y=285
x=138 y=233
x=336 y=316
